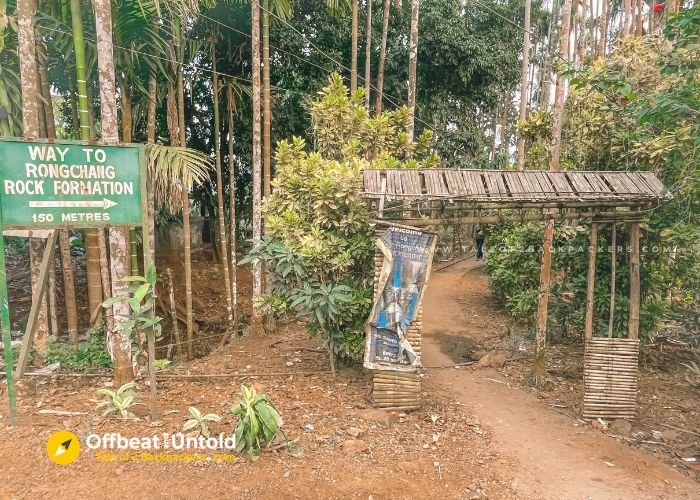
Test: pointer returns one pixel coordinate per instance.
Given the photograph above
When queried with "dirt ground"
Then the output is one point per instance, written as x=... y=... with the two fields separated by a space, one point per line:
x=479 y=434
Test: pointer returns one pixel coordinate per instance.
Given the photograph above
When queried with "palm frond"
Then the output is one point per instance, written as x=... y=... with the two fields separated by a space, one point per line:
x=175 y=170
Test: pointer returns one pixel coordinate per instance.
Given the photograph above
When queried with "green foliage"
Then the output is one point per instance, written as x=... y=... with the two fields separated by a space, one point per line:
x=199 y=422
x=141 y=301
x=318 y=247
x=258 y=420
x=119 y=401
x=91 y=355
x=636 y=110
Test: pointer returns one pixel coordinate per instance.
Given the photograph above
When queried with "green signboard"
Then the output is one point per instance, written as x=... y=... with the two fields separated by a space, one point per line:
x=69 y=184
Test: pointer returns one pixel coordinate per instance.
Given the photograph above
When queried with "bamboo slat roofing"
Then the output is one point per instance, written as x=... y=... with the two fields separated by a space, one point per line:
x=505 y=188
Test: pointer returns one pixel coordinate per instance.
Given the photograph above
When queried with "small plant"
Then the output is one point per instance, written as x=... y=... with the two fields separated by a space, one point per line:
x=162 y=364
x=141 y=299
x=119 y=401
x=90 y=355
x=258 y=420
x=198 y=422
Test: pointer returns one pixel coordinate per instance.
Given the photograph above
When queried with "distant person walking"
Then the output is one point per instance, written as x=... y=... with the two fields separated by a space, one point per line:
x=479 y=238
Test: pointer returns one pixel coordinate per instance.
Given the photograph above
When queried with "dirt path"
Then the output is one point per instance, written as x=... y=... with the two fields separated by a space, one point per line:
x=556 y=456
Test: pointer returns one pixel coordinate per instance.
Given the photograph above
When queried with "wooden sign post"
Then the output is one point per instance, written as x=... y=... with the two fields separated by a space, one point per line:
x=66 y=185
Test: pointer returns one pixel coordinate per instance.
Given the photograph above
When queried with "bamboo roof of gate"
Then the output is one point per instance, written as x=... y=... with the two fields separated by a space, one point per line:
x=516 y=189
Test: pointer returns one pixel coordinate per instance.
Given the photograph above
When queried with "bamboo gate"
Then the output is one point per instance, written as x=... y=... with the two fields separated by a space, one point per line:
x=422 y=198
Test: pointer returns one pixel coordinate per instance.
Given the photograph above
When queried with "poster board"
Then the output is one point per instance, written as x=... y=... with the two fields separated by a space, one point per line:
x=408 y=255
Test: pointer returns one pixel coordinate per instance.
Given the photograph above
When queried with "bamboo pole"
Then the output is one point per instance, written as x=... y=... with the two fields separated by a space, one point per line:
x=173 y=312
x=104 y=270
x=635 y=291
x=53 y=315
x=613 y=263
x=590 y=281
x=68 y=287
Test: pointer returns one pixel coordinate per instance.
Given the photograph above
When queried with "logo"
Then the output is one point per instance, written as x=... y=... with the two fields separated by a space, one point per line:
x=63 y=447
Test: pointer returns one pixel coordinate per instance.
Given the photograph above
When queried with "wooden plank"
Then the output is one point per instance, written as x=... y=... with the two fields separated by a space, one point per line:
x=516 y=188
x=430 y=184
x=630 y=188
x=533 y=186
x=581 y=184
x=599 y=186
x=37 y=299
x=614 y=182
x=653 y=182
x=503 y=191
x=639 y=183
x=371 y=181
x=475 y=185
x=561 y=185
x=491 y=186
x=413 y=182
x=451 y=183
x=457 y=182
x=545 y=183
x=644 y=186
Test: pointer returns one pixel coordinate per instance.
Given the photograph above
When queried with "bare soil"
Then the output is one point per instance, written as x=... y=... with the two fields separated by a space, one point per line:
x=479 y=434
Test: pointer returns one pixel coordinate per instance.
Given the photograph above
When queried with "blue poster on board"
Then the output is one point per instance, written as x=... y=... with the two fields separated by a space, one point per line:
x=408 y=255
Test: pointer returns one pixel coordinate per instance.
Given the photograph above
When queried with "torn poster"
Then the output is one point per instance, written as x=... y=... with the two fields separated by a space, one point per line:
x=408 y=257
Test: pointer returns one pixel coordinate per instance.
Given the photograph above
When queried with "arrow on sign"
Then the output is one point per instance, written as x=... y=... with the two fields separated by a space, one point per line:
x=104 y=204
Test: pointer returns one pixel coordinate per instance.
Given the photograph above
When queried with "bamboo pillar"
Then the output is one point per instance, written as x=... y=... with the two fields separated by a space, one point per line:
x=613 y=265
x=635 y=291
x=590 y=282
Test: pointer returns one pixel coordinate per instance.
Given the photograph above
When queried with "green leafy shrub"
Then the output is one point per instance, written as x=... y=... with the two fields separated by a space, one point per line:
x=318 y=246
x=120 y=401
x=199 y=422
x=258 y=420
x=88 y=356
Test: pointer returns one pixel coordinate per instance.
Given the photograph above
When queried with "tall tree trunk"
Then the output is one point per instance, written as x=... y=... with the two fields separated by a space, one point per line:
x=127 y=116
x=30 y=121
x=539 y=365
x=547 y=90
x=69 y=287
x=594 y=8
x=584 y=30
x=220 y=192
x=559 y=91
x=28 y=68
x=627 y=17
x=118 y=236
x=232 y=209
x=151 y=139
x=94 y=281
x=382 y=58
x=186 y=228
x=353 y=57
x=64 y=244
x=267 y=145
x=504 y=140
x=49 y=127
x=368 y=56
x=603 y=29
x=257 y=222
x=524 y=70
x=49 y=120
x=640 y=19
x=412 y=66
